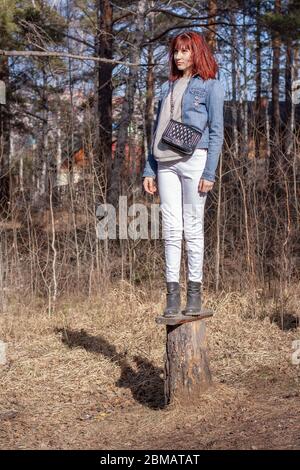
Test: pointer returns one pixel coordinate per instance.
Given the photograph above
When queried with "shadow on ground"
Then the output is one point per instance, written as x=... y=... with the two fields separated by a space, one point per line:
x=145 y=383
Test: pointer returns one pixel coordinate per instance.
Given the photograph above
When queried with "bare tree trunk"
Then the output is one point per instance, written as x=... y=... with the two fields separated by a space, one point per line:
x=212 y=27
x=127 y=107
x=43 y=181
x=275 y=124
x=295 y=73
x=104 y=49
x=5 y=180
x=258 y=113
x=149 y=108
x=41 y=160
x=211 y=40
x=245 y=131
x=234 y=68
x=290 y=108
x=273 y=187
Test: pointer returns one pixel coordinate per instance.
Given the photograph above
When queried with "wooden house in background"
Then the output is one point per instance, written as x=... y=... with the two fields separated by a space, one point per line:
x=72 y=168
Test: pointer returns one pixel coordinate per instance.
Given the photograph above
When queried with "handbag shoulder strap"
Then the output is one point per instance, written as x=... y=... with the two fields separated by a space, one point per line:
x=172 y=100
x=171 y=85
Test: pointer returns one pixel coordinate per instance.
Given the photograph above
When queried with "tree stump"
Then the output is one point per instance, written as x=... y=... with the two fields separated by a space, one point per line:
x=186 y=373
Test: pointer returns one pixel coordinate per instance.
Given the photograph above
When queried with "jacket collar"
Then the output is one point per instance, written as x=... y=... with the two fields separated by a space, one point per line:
x=197 y=76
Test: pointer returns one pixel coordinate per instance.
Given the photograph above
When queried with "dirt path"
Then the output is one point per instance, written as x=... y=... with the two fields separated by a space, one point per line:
x=83 y=380
x=227 y=418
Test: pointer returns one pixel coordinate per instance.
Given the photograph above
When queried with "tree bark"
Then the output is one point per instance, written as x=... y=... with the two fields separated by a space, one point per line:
x=114 y=189
x=187 y=372
x=290 y=108
x=258 y=110
x=211 y=33
x=5 y=183
x=149 y=108
x=273 y=187
x=275 y=119
x=104 y=49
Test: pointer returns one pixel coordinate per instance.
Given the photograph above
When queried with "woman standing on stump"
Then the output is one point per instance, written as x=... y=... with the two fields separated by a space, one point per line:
x=184 y=180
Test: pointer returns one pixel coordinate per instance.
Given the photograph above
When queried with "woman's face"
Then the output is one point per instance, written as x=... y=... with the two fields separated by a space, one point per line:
x=183 y=59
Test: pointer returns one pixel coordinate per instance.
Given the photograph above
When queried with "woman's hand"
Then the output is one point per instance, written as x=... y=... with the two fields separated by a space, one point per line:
x=205 y=185
x=149 y=185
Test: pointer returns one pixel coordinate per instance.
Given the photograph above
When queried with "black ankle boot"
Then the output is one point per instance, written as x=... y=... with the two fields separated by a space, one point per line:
x=173 y=299
x=193 y=298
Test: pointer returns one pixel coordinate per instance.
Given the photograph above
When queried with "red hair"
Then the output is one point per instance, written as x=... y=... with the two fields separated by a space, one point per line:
x=204 y=62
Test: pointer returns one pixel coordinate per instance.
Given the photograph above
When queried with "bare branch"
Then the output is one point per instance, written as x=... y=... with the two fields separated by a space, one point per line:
x=71 y=56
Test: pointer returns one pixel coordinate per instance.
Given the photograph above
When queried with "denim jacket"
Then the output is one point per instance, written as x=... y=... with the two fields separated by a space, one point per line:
x=202 y=102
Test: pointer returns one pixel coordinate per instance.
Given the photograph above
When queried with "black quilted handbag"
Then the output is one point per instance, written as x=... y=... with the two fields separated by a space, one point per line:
x=180 y=136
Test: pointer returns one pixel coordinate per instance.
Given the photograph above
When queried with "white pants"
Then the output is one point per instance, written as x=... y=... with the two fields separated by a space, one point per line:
x=182 y=208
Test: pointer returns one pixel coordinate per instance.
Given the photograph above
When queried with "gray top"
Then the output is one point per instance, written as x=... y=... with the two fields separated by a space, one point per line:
x=161 y=151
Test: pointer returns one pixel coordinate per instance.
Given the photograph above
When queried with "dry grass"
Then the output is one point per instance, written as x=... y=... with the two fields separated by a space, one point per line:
x=91 y=376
